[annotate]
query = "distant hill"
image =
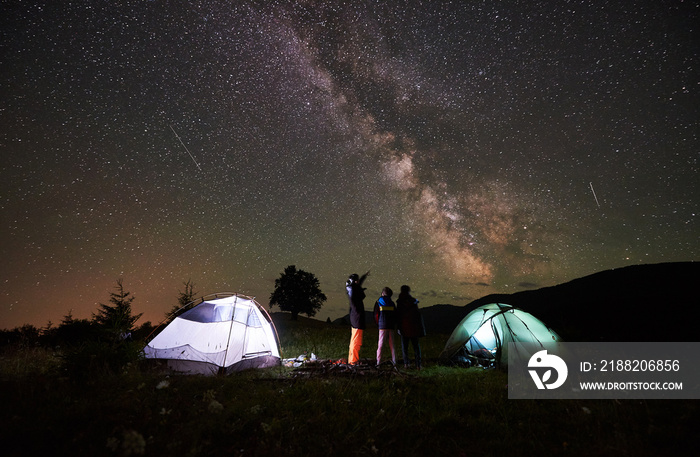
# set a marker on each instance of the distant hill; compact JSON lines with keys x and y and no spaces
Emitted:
{"x":658,"y":302}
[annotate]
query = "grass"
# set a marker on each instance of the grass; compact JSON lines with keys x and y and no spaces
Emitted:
{"x":437,"y":411}
{"x":332,"y":341}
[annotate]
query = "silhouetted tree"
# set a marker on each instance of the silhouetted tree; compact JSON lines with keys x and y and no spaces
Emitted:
{"x":73,"y":331}
{"x":184,"y":298}
{"x":297,"y":291}
{"x":117,"y":317}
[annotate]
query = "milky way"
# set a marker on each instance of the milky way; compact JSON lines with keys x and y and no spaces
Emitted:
{"x":463,"y":148}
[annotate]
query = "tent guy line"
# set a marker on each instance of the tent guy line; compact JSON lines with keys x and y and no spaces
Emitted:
{"x":183,"y":145}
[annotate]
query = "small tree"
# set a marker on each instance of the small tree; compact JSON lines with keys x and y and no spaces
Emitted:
{"x":297,"y":291}
{"x":184,"y":298}
{"x":117,"y":317}
{"x":73,"y":331}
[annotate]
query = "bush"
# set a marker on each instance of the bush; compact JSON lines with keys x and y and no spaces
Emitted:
{"x":24,"y":336}
{"x":88,"y":360}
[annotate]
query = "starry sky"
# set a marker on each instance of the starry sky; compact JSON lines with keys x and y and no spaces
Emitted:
{"x":461,"y":147}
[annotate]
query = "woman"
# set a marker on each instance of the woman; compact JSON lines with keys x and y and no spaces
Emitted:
{"x":356,"y":296}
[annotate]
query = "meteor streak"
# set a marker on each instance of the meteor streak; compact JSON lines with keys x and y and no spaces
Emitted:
{"x":188,"y":151}
{"x":594,"y":195}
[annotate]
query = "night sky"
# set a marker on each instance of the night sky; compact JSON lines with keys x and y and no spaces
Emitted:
{"x":463,"y":148}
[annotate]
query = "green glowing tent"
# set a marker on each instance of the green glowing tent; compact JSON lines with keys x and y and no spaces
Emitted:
{"x":482,"y":337}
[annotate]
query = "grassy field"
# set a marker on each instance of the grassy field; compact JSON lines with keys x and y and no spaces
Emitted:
{"x":437,"y":411}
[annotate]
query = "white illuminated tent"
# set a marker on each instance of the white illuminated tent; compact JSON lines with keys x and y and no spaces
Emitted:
{"x":227,"y":333}
{"x":483,"y":335}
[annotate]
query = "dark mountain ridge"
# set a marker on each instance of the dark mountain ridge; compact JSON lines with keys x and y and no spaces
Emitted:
{"x":657,"y":302}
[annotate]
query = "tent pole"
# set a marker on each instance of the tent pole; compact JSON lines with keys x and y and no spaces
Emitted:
{"x":272,"y":324}
{"x":230,"y":331}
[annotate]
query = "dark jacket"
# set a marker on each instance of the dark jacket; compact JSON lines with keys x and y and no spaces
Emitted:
{"x":356,"y":295}
{"x":385,"y":313}
{"x":410,"y":319}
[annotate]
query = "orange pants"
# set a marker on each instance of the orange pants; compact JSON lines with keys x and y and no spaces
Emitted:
{"x":355,"y":345}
